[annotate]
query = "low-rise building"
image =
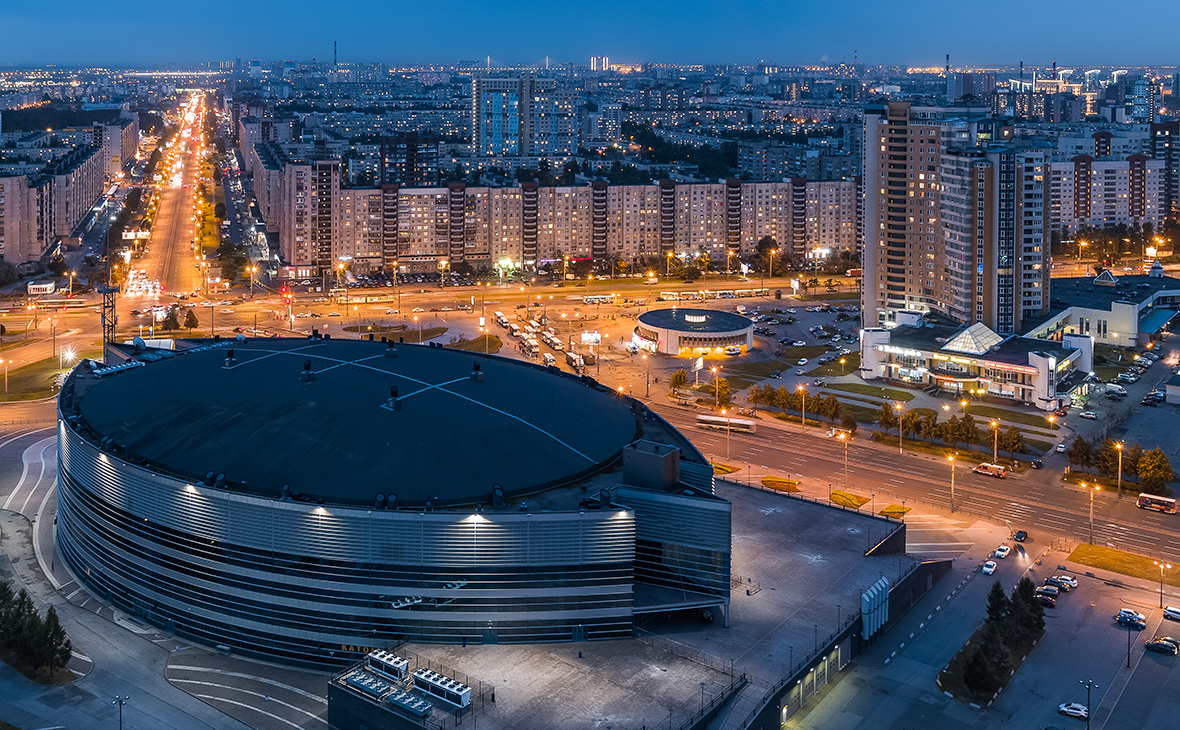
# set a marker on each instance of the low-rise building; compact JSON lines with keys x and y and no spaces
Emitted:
{"x":1122,"y":311}
{"x":959,"y":361}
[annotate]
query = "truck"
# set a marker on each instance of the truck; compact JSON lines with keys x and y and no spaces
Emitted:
{"x":41,"y":287}
{"x":574,"y":360}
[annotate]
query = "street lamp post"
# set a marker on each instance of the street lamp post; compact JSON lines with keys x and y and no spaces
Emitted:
{"x":1089,"y":684}
{"x":1119,"y":446}
{"x":844,"y":438}
{"x":419,"y":330}
{"x":647,"y":383}
{"x":995,"y":442}
{"x":900,"y":431}
{"x":716,"y":393}
{"x":728,"y":258}
{"x":668,"y":268}
{"x":803,"y":408}
{"x":1092,"y":489}
{"x":951,"y":459}
{"x":728,"y":421}
{"x":1162,"y":566}
{"x":120,"y":701}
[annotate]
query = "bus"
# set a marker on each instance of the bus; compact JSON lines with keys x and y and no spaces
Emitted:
{"x":669,"y":296}
{"x":514,"y":329}
{"x":599,"y":299}
{"x":721,"y":423}
{"x":1157,"y":503}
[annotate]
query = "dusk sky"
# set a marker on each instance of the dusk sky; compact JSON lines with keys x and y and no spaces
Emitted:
{"x":739,"y":31}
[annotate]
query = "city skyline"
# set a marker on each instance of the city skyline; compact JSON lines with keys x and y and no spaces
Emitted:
{"x":745,"y":32}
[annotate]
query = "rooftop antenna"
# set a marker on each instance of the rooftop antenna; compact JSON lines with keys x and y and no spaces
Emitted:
{"x":333,"y":55}
{"x":948,"y":65}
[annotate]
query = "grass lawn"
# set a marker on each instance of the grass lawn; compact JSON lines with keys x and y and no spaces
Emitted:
{"x":782,"y":485}
{"x":792,"y":354}
{"x":862,"y":414}
{"x":18,"y":341}
{"x":1107,"y":372}
{"x":426,"y":333}
{"x":844,"y":499}
{"x":1108,"y":484}
{"x":1004,"y":414}
{"x":896,"y":511}
{"x":483,"y":343}
{"x":888,"y":393}
{"x":830,"y":296}
{"x":35,"y":380}
{"x":754,"y":369}
{"x":1117,"y":561}
{"x":835,"y":369}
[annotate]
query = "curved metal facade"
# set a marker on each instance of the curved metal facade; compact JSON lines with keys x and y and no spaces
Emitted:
{"x":315,"y":585}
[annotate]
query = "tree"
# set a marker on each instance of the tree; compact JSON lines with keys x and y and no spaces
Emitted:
{"x":1155,"y":471}
{"x":1011,"y":440}
{"x":55,"y":647}
{"x":992,"y":645}
{"x":678,"y":380}
{"x":1080,"y":452}
{"x":1027,"y":617}
{"x":951,"y":430}
{"x":190,"y":320}
{"x":216,"y":174}
{"x":721,"y":387}
{"x":911,"y":423}
{"x":968,"y":430}
{"x":219,"y":210}
{"x":57,"y":266}
{"x":1107,"y":459}
{"x":1131,"y":459}
{"x":171,"y":321}
{"x":929,"y":428}
{"x":978,"y":675}
{"x":886,"y":418}
{"x":999,"y":607}
{"x":848,"y":421}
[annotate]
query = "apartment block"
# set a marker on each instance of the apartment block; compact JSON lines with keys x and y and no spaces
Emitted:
{"x":994,"y":233}
{"x":1100,"y":192}
{"x":531,"y":225}
{"x":904,"y":256}
{"x":522,"y":115}
{"x":18,"y":219}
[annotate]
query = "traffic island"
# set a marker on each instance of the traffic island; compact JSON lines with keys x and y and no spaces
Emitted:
{"x":851,"y":501}
{"x":988,"y":661}
{"x":780,"y":484}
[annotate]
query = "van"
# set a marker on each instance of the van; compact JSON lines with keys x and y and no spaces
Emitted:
{"x":1116,"y":389}
{"x":548,"y":359}
{"x":991,"y":470}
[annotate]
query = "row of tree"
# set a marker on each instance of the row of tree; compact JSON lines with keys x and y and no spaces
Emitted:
{"x":923,"y":423}
{"x":1152,"y":469}
{"x":823,"y":405}
{"x":1013,"y":623}
{"x":35,"y":642}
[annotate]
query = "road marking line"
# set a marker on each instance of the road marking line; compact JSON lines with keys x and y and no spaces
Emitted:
{"x":300,"y":710}
{"x":264,"y":680}
{"x":271,"y":715}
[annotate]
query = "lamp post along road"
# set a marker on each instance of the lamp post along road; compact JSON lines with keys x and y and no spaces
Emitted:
{"x":1089,"y":684}
{"x":951,"y":459}
{"x":803,"y":418}
{"x":1119,"y":446}
{"x":1162,"y":566}
{"x":900,"y":430}
{"x":995,"y":442}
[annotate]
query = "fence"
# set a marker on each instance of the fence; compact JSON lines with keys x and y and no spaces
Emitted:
{"x":686,"y":652}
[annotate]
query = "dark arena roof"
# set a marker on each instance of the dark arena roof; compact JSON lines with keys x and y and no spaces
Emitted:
{"x":695,"y":320}
{"x":450,"y":440}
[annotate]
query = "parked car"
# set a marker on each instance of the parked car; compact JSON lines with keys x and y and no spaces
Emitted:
{"x":1169,"y":639}
{"x":1068,"y":580}
{"x":1130,"y":612}
{"x":1172,"y":613}
{"x":1047,"y":601}
{"x":1036,"y":464}
{"x":1089,"y":415}
{"x":1050,"y":591}
{"x":1163,"y":647}
{"x":1073,"y":709}
{"x":989,"y":567}
{"x":1057,"y":583}
{"x":1130,"y":622}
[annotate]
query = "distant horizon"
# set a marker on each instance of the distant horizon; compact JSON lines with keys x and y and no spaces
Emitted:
{"x":71,"y":33}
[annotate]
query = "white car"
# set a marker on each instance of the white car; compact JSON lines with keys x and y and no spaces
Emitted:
{"x":1131,"y":613}
{"x":989,"y":567}
{"x":1060,"y":448}
{"x":1073,"y":709}
{"x":1069,"y":580}
{"x":802,"y":361}
{"x":1172,"y":612}
{"x":1002,"y":551}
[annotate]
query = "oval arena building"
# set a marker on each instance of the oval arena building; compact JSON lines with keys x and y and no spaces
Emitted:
{"x":305,"y":500}
{"x":691,"y":332}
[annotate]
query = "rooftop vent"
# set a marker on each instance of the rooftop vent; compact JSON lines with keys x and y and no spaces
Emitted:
{"x":307,"y":375}
{"x":476,"y":373}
